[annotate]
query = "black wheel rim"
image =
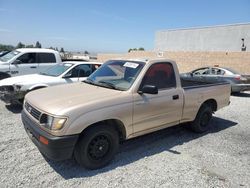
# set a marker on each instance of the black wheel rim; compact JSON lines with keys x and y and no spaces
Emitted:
{"x":205,"y":119}
{"x":99,"y":147}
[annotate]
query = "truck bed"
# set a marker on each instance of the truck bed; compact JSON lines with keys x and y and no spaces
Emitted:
{"x":189,"y":84}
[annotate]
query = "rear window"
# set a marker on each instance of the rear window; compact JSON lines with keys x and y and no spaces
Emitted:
{"x":46,"y":58}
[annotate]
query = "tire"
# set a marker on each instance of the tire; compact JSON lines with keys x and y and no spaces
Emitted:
{"x":203,"y":117}
{"x":97,"y":147}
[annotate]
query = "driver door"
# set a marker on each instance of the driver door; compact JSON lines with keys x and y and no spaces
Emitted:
{"x":78,"y":73}
{"x":27,"y":64}
{"x":155,"y":110}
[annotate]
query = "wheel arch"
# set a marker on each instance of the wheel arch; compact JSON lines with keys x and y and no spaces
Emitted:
{"x":37,"y":87}
{"x":115,"y":123}
{"x":212,"y":103}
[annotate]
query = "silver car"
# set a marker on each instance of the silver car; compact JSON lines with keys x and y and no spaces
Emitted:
{"x":238,"y":81}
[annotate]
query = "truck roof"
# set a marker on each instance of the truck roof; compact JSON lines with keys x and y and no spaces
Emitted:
{"x":83,"y":62}
{"x":36,"y":50}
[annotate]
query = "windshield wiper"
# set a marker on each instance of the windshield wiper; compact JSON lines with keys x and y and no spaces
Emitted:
{"x":88,"y":81}
{"x":109,"y":85}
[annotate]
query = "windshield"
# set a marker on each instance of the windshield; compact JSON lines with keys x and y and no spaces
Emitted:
{"x":116,"y":74}
{"x":57,"y":69}
{"x":9,"y":56}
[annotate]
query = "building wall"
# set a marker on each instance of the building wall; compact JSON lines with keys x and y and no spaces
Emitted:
{"x":188,"y":61}
{"x":227,"y":38}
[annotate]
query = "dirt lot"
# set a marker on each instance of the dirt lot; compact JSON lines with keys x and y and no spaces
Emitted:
{"x":174,"y":157}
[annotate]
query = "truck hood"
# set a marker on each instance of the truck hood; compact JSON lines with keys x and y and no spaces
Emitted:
{"x":58,"y":100}
{"x":26,"y":80}
{"x":4,"y":63}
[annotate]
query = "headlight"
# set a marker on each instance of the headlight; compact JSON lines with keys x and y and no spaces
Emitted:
{"x":52,"y":123}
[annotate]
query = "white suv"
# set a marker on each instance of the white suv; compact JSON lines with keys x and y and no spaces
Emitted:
{"x":27,"y":61}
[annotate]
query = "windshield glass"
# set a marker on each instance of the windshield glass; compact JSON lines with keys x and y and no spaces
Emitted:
{"x":9,"y":56}
{"x":116,"y":74}
{"x":57,"y":69}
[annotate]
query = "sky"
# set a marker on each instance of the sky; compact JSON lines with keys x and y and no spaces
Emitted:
{"x":110,"y":26}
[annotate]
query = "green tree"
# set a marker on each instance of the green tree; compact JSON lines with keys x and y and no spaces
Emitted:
{"x":20,"y":45}
{"x":38,"y":44}
{"x":86,"y":52}
{"x":62,"y":50}
{"x":4,"y":47}
{"x":141,"y":49}
{"x":130,"y":49}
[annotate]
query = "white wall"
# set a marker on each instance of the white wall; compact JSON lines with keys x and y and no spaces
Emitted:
{"x":217,"y":38}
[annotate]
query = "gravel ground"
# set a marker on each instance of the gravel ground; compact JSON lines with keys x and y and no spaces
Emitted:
{"x":174,"y":157}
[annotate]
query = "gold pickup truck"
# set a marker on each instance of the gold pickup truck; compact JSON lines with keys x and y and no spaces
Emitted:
{"x":123,"y":99}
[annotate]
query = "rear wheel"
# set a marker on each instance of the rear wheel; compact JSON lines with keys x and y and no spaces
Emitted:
{"x":203,"y":117}
{"x":97,"y":146}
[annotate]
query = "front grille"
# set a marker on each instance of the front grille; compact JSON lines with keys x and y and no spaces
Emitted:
{"x":6,"y":89}
{"x":34,"y":112}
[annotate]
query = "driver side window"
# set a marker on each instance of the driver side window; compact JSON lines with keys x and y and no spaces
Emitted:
{"x":161,"y":75}
{"x":80,"y":71}
{"x":27,"y":58}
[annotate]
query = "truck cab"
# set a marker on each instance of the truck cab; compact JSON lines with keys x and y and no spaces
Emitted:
{"x":27,"y":61}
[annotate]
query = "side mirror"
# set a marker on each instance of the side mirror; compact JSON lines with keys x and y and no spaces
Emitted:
{"x":149,"y":89}
{"x":16,"y":62}
{"x":68,"y":75}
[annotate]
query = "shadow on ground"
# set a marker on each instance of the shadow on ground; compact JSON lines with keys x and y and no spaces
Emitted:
{"x":14,"y":108}
{"x":138,"y":148}
{"x":241,"y":94}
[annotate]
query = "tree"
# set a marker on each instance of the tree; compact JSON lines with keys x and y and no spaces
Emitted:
{"x":20,"y":45}
{"x":141,"y":49}
{"x":56,"y":49}
{"x":130,"y":49}
{"x":38,"y":44}
{"x":86,"y":52}
{"x":62,"y":50}
{"x":4,"y":47}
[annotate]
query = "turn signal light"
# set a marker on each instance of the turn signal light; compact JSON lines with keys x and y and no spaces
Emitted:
{"x":44,"y":140}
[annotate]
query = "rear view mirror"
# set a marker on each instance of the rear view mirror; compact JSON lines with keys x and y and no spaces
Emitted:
{"x":17,"y":62}
{"x":68,"y":75}
{"x":149,"y":89}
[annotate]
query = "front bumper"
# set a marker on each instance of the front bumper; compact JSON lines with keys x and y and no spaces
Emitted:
{"x":58,"y":148}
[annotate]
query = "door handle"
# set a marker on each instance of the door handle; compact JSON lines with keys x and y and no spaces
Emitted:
{"x":175,"y":97}
{"x":33,"y":67}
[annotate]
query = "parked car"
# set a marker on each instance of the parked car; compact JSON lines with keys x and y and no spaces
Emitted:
{"x":27,"y":61}
{"x":2,"y":53}
{"x":123,"y":99}
{"x":13,"y":90}
{"x":238,"y":81}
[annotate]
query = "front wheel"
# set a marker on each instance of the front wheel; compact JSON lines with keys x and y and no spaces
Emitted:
{"x":203,"y":117}
{"x":97,"y":146}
